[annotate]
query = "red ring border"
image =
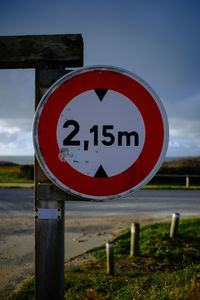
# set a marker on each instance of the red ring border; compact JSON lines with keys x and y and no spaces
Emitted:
{"x":49,"y":112}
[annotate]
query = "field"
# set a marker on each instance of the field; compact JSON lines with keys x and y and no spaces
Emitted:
{"x":15,"y":174}
{"x":11,"y":173}
{"x":190,"y":166}
{"x":166,"y":268}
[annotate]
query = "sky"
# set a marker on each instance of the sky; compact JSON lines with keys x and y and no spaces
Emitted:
{"x":157,"y":40}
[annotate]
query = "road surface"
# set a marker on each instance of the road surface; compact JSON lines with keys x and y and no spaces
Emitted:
{"x":186,"y":202}
{"x":87,"y":225}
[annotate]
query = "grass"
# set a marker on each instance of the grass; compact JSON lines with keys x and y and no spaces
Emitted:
{"x":16,"y":175}
{"x":170,"y":187}
{"x":13,"y":174}
{"x":165,"y":269}
{"x":18,"y":186}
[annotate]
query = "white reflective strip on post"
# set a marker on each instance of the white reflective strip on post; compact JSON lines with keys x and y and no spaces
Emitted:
{"x":176,"y":215}
{"x":48,"y":213}
{"x":109,"y":245}
{"x":133,"y":228}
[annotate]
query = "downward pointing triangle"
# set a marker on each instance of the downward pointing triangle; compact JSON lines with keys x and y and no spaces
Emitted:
{"x":101,"y":93}
{"x":100,"y":173}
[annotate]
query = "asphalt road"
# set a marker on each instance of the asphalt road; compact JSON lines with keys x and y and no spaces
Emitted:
{"x":159,"y":202}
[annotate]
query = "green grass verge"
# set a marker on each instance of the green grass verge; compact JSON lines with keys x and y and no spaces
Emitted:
{"x":21,"y":174}
{"x":18,"y":186}
{"x":170,"y":187}
{"x":13,"y":174}
{"x":166,"y":268}
{"x":21,"y":184}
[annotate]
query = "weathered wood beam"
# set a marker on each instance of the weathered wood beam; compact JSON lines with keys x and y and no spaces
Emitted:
{"x":36,"y":50}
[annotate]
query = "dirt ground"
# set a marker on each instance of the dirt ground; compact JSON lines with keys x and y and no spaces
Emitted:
{"x":81,"y":234}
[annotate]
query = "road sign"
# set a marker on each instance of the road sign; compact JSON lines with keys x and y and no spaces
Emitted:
{"x":100,"y":132}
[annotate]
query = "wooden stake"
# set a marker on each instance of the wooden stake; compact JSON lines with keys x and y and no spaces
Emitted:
{"x":110,"y":258}
{"x":174,"y":225}
{"x":187,"y":182}
{"x":135,"y":233}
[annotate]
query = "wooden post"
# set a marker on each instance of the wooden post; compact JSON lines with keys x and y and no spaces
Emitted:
{"x":49,"y":55}
{"x":31,"y":51}
{"x":174,"y":225}
{"x":187,"y":179}
{"x":110,"y":258}
{"x":135,"y":233}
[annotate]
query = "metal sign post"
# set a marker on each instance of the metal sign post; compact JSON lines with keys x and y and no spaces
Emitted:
{"x":49,"y":220}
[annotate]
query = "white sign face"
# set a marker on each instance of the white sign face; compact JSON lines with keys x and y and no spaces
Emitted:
{"x":100,"y":133}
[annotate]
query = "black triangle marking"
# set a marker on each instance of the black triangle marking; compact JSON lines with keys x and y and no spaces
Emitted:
{"x":100,"y":173}
{"x":101,"y":93}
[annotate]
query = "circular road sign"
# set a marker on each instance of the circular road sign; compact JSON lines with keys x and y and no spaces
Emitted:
{"x":100,"y":132}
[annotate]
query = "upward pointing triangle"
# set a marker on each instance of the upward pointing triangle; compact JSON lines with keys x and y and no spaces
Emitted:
{"x":100,"y":173}
{"x":101,"y":93}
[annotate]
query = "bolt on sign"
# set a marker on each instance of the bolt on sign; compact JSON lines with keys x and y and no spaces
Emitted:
{"x":100,"y":132}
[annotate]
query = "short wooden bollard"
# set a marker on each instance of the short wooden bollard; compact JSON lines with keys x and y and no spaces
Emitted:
{"x":110,"y":258}
{"x":174,"y":225}
{"x":135,"y":233}
{"x":187,"y":183}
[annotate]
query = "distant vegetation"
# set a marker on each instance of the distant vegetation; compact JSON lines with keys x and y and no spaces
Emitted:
{"x":180,"y":168}
{"x":13,"y":173}
{"x":189,"y":166}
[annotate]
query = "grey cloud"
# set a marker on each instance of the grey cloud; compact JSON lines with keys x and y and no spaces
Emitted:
{"x":184,"y":128}
{"x":13,"y":140}
{"x":16,"y":94}
{"x":184,"y":121}
{"x":23,"y":124}
{"x":6,"y":137}
{"x":185,"y":108}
